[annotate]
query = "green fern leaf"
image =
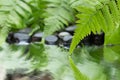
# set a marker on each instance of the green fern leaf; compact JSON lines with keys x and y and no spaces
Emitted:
{"x":78,"y":75}
{"x":14,"y":15}
{"x":95,"y":16}
{"x":59,"y":13}
{"x":24,"y":6}
{"x":38,"y":55}
{"x":113,"y":36}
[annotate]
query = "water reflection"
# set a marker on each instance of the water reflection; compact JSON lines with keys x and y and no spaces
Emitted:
{"x":90,"y":60}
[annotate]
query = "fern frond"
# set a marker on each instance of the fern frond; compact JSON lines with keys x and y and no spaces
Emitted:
{"x":13,"y":14}
{"x":59,"y":13}
{"x":95,"y":16}
{"x":37,"y":18}
{"x":78,"y":75}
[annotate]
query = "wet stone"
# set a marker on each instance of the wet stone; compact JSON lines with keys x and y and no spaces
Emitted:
{"x":21,"y":36}
{"x":40,"y":34}
{"x":67,"y":38}
{"x":67,"y":41}
{"x":51,"y":40}
{"x":86,"y":41}
{"x":37,"y":37}
{"x":98,"y":39}
{"x":11,"y":39}
{"x":71,"y":29}
{"x":62,"y":34}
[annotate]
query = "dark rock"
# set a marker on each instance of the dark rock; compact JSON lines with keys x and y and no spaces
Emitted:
{"x":11,"y":39}
{"x":93,"y":39}
{"x":51,"y":40}
{"x":37,"y":37}
{"x":9,"y":77}
{"x":86,"y":41}
{"x":98,"y":39}
{"x":17,"y":74}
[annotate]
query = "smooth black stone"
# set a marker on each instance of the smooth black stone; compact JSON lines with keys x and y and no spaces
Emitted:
{"x":86,"y":41}
{"x":35,"y":39}
{"x":9,"y":77}
{"x":11,"y":39}
{"x":65,"y":44}
{"x":26,"y":30}
{"x":98,"y":39}
{"x":51,"y":40}
{"x":61,"y":35}
{"x":21,"y":36}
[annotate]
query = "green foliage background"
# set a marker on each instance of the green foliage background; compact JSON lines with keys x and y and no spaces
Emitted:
{"x":52,"y":15}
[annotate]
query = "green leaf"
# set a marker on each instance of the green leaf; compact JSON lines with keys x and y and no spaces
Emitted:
{"x":110,"y":55}
{"x":21,"y":12}
{"x":38,"y":55}
{"x":78,"y":75}
{"x":96,"y":16}
{"x":113,"y":36}
{"x":24,"y":6}
{"x":58,"y":15}
{"x":11,"y":58}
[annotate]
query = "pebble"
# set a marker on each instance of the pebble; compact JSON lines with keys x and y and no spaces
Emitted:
{"x":86,"y":41}
{"x":67,"y":38}
{"x":62,"y":34}
{"x":11,"y":39}
{"x":21,"y":36}
{"x":71,"y":29}
{"x":51,"y":40}
{"x":67,"y":41}
{"x":98,"y":39}
{"x":37,"y":37}
{"x":39,"y":34}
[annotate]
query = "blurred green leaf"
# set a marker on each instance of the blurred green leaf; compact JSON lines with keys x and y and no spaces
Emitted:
{"x":110,"y":55}
{"x":88,"y":65}
{"x":113,"y":36}
{"x":11,"y":58}
{"x":78,"y":75}
{"x":38,"y":55}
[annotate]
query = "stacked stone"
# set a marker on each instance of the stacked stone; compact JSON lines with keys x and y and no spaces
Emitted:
{"x":61,"y":38}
